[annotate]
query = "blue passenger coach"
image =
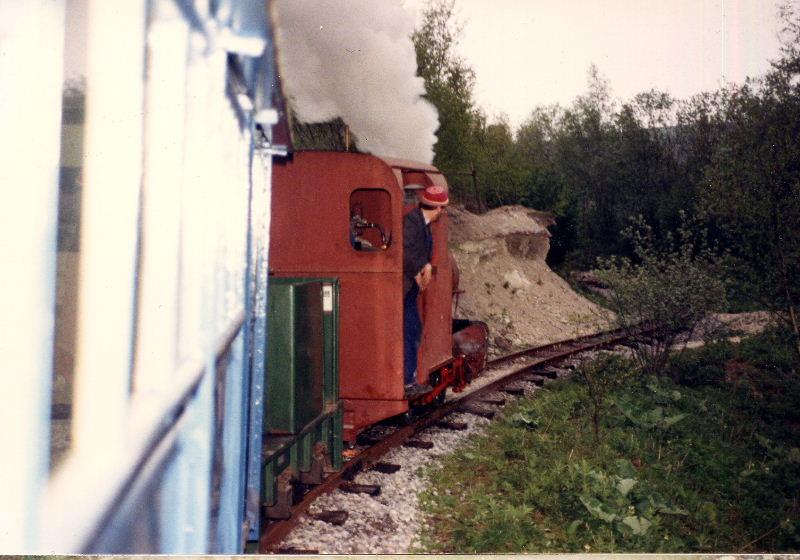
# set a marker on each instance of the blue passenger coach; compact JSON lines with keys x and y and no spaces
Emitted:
{"x":134,"y":261}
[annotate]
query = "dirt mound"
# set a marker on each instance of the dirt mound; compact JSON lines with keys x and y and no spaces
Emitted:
{"x":506,"y":282}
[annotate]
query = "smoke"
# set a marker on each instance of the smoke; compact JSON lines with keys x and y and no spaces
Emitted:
{"x":354,"y":59}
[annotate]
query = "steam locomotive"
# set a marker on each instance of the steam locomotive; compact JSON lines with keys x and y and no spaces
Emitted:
{"x":335,"y":357}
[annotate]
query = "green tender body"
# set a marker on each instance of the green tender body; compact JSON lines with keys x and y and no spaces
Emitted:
{"x":302,"y":405}
{"x":295,"y":356}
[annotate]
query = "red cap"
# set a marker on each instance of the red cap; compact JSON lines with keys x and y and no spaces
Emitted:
{"x":434,"y":195}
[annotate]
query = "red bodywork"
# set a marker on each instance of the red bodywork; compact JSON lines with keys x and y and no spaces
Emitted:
{"x":314,"y":196}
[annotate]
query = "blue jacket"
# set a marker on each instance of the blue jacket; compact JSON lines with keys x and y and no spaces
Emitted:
{"x":417,"y":247}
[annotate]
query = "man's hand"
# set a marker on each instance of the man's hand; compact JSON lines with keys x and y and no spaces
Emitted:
{"x":423,"y":278}
{"x":427,"y":274}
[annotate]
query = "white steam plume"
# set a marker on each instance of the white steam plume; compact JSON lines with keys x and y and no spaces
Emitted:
{"x":354,"y":59}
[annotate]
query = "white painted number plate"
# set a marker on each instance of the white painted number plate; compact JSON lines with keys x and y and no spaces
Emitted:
{"x":327,"y":299}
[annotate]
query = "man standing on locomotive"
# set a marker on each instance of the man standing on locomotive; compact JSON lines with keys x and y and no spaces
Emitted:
{"x":417,"y":274}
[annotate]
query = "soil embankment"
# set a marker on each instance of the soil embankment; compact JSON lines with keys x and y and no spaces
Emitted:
{"x":507,"y":283}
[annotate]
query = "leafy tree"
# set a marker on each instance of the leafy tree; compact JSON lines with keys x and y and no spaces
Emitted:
{"x":752,"y":187}
{"x":670,"y":287}
{"x":503,"y":175}
{"x":544,"y":184}
{"x":584,"y":158}
{"x":597,"y":163}
{"x":643,"y":169}
{"x":535,"y":147}
{"x":695,"y":138}
{"x":449,"y":84}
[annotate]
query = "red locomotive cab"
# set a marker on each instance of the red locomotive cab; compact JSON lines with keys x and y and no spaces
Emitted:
{"x":338,"y":214}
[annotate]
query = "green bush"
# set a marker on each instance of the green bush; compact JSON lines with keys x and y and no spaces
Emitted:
{"x":697,"y":368}
{"x":771,"y":351}
{"x":759,"y":372}
{"x":670,"y":287}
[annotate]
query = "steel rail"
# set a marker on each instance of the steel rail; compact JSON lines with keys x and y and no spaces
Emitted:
{"x":276,"y":531}
{"x":539,"y":349}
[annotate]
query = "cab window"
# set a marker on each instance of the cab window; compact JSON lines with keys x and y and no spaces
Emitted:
{"x":370,"y":220}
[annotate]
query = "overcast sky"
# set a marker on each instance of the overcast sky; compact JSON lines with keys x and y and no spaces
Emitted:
{"x":537,"y":52}
{"x":527,"y":53}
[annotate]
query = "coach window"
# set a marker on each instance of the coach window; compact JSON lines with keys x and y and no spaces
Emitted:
{"x":370,"y":220}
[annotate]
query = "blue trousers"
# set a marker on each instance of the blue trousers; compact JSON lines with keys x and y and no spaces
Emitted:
{"x":412,"y":334}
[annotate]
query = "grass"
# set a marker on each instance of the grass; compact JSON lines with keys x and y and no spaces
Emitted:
{"x":704,"y":459}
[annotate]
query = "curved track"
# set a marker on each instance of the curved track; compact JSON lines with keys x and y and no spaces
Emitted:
{"x":524,"y":367}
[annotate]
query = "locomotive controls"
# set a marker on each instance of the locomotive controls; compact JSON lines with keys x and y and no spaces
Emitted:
{"x":357,"y":226}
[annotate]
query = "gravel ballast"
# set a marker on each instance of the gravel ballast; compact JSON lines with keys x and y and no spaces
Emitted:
{"x":390,"y":522}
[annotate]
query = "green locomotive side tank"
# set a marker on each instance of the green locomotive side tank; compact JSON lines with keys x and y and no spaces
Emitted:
{"x":295,"y":356}
{"x":302,"y":410}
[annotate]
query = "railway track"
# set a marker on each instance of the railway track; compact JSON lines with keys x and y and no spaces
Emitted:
{"x":505,"y":373}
